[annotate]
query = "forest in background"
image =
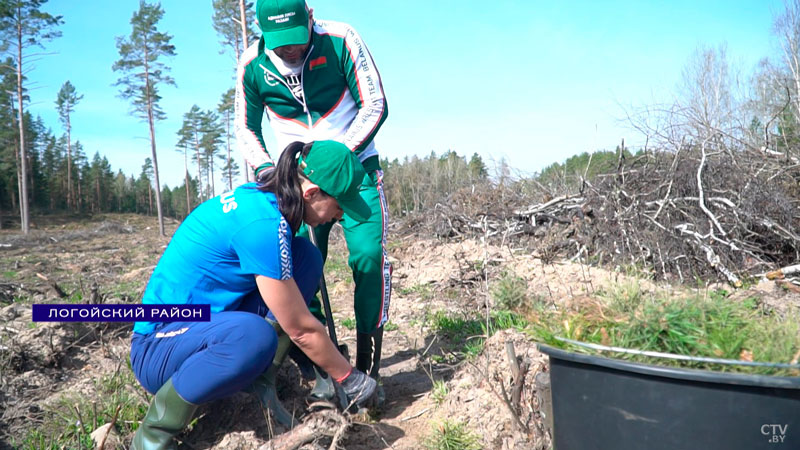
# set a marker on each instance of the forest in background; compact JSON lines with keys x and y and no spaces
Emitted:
{"x":714,"y":106}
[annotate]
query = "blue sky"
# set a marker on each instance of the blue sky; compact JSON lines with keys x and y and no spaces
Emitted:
{"x":533,"y":82}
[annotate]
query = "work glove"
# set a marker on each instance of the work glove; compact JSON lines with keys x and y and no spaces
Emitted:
{"x":359,"y":389}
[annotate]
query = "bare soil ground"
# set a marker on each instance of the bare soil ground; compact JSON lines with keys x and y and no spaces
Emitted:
{"x":108,"y":259}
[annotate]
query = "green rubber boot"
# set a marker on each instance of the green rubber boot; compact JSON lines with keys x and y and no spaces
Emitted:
{"x":264,"y":386}
{"x":167,"y":415}
{"x":363,"y":351}
{"x":368,"y":358}
{"x":324,"y":388}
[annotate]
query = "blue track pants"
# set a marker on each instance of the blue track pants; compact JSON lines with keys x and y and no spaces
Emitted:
{"x":212,"y":360}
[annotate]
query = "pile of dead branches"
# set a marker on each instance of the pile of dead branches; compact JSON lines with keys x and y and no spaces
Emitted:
{"x":704,"y":211}
{"x":701,"y":212}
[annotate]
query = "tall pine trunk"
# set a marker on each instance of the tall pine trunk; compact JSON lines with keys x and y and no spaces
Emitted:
{"x":23,"y":186}
{"x":228,"y":140}
{"x":211,"y":175}
{"x":70,"y":194}
{"x":245,"y":44}
{"x":186,"y":180}
{"x":199,"y":173}
{"x":151,"y":123}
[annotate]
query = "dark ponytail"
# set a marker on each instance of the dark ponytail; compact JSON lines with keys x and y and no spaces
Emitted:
{"x":284,"y":181}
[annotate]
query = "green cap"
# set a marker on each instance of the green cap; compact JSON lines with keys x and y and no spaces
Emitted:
{"x":337,"y":171}
{"x":283,"y":22}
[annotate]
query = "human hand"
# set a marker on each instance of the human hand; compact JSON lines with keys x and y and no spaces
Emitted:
{"x":359,"y":389}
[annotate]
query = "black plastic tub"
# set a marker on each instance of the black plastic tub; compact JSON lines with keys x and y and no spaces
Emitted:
{"x":602,"y":403}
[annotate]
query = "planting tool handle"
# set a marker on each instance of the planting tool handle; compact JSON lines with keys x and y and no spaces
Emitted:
{"x":323,"y":290}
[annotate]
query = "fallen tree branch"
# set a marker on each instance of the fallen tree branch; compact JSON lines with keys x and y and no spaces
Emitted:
{"x":782,"y":272}
{"x":701,"y":193}
{"x":711,"y":256}
{"x":56,"y":288}
{"x":502,"y":397}
{"x":538,"y":208}
{"x":326,"y":423}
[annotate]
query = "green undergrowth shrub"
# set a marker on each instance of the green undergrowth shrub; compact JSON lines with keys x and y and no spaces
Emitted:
{"x":709,"y":325}
{"x":510,"y":291}
{"x":451,"y":435}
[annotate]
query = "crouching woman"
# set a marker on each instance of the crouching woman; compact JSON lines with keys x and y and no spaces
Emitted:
{"x":238,"y":253}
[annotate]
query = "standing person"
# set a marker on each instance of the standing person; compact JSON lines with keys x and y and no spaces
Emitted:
{"x":238,"y":253}
{"x":317,"y":80}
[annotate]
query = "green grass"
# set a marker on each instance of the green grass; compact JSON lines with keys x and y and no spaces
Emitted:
{"x":467,"y":334}
{"x":712,"y":326}
{"x":439,"y":391}
{"x":424,"y":291}
{"x":450,"y":435}
{"x":9,"y":274}
{"x":128,"y":290}
{"x":75,"y":297}
{"x":349,"y":323}
{"x":69,"y":422}
{"x":336,"y":265}
{"x":36,"y":440}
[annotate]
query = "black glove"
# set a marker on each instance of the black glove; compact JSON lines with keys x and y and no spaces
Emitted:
{"x":360,"y":389}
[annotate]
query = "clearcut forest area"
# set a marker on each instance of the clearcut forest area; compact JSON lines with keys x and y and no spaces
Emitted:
{"x":489,"y":268}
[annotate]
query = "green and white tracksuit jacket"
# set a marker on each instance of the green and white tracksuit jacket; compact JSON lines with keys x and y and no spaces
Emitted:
{"x":335,"y":95}
{"x":340,"y":96}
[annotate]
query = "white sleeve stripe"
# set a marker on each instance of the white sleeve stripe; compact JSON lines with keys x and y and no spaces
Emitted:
{"x":249,"y":145}
{"x":373,"y":107}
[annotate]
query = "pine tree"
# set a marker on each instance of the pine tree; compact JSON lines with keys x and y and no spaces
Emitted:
{"x":24,"y":25}
{"x":8,"y":135}
{"x":191,"y":134}
{"x":100,"y":179}
{"x":59,"y":180}
{"x":234,"y":21}
{"x":65,"y":103}
{"x":144,"y":186}
{"x":184,"y":143}
{"x":51,"y":163}
{"x":225,"y":108}
{"x":140,"y":56}
{"x":80,"y":167}
{"x":477,"y":168}
{"x":84,"y":183}
{"x":209,"y":144}
{"x":229,"y":170}
{"x":227,"y":22}
{"x":37,"y":138}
